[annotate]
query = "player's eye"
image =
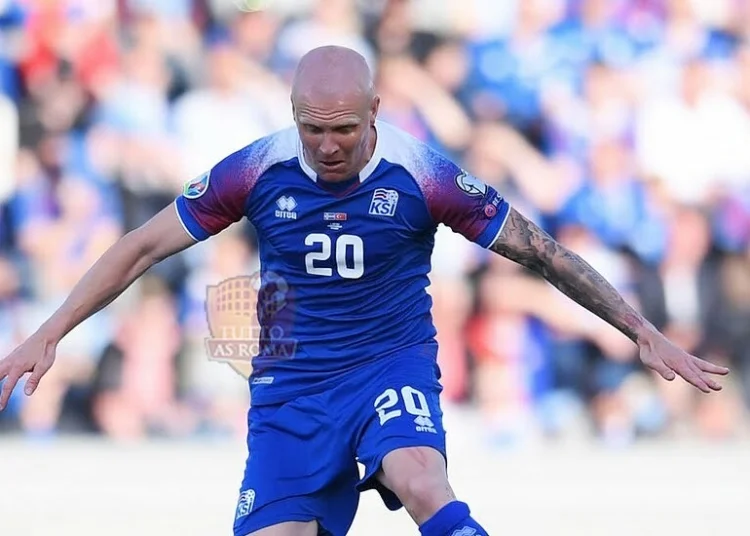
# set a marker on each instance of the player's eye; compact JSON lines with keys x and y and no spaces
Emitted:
{"x":312,"y":129}
{"x":348,"y":129}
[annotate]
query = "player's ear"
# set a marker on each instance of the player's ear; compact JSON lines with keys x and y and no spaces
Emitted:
{"x":374,"y":107}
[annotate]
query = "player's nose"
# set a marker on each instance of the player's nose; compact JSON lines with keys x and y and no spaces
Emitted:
{"x":328,"y":146}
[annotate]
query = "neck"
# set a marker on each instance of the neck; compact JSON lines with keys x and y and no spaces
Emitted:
{"x":370,"y":151}
{"x":371,"y":143}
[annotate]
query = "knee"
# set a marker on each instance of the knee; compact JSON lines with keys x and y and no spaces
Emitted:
{"x":423,"y":494}
{"x":420,"y":482}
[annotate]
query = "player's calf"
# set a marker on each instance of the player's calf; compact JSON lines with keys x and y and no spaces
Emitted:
{"x":417,"y":475}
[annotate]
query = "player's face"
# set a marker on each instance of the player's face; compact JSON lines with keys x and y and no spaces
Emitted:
{"x":338,"y":135}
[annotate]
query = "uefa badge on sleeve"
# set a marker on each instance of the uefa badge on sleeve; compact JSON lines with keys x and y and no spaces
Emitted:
{"x":470,"y":185}
{"x":197,"y":187}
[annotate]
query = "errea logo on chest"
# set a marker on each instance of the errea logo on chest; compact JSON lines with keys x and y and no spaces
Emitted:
{"x":286,"y":205}
{"x":383,"y":202}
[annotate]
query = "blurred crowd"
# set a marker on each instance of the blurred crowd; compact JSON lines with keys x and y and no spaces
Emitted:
{"x":623,"y":127}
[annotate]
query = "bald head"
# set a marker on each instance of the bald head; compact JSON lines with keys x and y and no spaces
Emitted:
{"x":335,"y":107}
{"x":332,"y":71}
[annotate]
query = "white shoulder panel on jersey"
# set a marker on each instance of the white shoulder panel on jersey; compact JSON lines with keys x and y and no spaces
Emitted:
{"x":401,"y":148}
{"x":272,"y":149}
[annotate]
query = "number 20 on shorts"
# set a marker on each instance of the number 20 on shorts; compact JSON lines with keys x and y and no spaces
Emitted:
{"x":415,"y":404}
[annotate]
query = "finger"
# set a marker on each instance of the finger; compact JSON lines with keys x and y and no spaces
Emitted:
{"x":663,"y":369}
{"x":8,"y":385}
{"x":694,"y":378}
{"x":33,"y":382}
{"x":706,"y":366}
{"x":36,"y":376}
{"x":713,"y":384}
{"x":709,"y":381}
{"x":4,"y":369}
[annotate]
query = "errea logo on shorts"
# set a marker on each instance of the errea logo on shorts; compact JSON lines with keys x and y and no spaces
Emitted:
{"x":245,"y":504}
{"x":465,"y":531}
{"x":425,"y":424}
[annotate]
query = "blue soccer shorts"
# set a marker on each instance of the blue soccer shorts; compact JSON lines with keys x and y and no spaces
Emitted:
{"x":303,"y":454}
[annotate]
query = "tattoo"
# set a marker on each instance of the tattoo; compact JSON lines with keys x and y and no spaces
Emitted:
{"x":525,"y":243}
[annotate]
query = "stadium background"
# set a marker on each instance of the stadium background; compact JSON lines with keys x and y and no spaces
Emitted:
{"x":622,"y":126}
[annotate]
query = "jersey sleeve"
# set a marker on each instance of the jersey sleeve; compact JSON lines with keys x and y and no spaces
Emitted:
{"x":214,"y":200}
{"x":462,"y":202}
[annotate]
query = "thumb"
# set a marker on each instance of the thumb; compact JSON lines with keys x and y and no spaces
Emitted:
{"x":664,"y":371}
{"x":33,"y":382}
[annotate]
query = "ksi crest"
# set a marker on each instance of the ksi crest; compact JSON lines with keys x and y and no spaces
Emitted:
{"x":197,"y":187}
{"x":245,"y":504}
{"x":384,"y":202}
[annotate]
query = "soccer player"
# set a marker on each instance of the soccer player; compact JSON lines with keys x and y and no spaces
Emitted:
{"x":345,"y":207}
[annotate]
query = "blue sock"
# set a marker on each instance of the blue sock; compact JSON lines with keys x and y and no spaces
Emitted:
{"x":453,"y":519}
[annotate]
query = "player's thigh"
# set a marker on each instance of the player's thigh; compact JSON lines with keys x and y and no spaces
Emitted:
{"x":292,"y":528}
{"x":407,"y":466}
{"x":403,"y":413}
{"x":296,"y":469}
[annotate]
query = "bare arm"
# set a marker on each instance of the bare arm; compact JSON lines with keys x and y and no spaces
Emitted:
{"x":524,"y":242}
{"x":124,"y":262}
{"x":115,"y":271}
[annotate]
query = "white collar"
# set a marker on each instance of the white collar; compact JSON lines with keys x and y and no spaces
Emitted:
{"x":366,"y":171}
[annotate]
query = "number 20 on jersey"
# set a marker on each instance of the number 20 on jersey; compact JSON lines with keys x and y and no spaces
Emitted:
{"x":348,"y":251}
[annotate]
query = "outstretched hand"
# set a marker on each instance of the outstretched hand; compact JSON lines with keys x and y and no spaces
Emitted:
{"x":34,"y":355}
{"x":661,"y":355}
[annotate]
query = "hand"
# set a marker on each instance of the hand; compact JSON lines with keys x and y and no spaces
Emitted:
{"x":35,"y":355}
{"x":661,"y":355}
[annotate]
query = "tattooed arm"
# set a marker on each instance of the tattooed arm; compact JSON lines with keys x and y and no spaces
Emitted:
{"x":522,"y":241}
{"x":525,"y":243}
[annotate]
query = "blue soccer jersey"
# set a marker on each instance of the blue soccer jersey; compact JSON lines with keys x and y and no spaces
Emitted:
{"x":343,"y":274}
